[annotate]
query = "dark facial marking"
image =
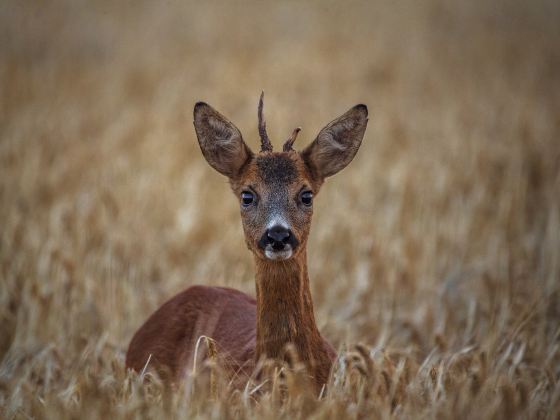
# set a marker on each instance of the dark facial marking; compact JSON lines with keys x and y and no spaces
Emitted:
{"x":276,"y":168}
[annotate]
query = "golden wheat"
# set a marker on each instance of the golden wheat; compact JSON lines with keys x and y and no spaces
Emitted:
{"x":434,"y":258}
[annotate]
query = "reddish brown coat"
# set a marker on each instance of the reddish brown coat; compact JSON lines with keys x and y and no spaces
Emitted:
{"x":246,"y":330}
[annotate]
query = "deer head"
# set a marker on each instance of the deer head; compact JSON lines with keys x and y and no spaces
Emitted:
{"x":276,"y":189}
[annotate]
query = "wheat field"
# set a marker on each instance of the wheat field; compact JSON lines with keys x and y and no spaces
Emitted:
{"x":434,"y":257}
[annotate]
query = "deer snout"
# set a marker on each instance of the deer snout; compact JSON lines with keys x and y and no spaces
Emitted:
{"x":278,"y":238}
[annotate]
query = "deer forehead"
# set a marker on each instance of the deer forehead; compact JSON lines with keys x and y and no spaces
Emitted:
{"x":277,"y":170}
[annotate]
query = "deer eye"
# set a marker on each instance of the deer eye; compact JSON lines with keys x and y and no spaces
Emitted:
{"x":306,"y":198}
{"x":247,"y":198}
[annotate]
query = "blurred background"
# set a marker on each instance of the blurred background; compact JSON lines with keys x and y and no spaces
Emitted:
{"x":443,"y":233}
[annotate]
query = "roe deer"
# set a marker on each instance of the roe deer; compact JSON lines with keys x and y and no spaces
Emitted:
{"x":276,"y":191}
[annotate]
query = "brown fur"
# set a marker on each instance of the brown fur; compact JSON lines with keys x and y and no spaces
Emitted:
{"x":226,"y":315}
{"x":248,"y":330}
{"x":285,"y":315}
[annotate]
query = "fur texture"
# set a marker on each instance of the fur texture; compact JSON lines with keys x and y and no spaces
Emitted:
{"x":248,"y":330}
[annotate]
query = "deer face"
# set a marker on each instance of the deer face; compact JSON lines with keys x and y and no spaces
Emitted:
{"x":276,"y":200}
{"x":276,"y":189}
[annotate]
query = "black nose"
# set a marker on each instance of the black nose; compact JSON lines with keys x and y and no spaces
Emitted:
{"x":278,"y":237}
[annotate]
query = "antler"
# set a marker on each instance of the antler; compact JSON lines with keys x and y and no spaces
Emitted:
{"x":290,"y":142}
{"x":266,"y":145}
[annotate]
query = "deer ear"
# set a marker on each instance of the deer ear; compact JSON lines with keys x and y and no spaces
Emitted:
{"x":337,"y":143}
{"x":220,"y":141}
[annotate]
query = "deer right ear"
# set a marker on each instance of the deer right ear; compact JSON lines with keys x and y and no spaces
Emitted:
{"x":337,"y":143}
{"x":220,"y":141}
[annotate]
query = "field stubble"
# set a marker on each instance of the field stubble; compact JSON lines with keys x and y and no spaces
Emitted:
{"x":434,"y":257}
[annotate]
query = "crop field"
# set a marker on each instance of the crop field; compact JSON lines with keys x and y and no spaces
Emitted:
{"x":434,"y":258}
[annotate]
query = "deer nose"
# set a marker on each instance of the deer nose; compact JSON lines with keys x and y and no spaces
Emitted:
{"x":278,"y":237}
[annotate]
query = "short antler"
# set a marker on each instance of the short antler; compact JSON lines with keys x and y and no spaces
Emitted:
{"x":290,"y":142}
{"x":266,"y":145}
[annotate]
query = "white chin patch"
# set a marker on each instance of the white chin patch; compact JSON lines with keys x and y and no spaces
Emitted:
{"x":271,"y":254}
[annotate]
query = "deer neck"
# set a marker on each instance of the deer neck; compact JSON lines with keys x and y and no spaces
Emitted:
{"x":285,"y":313}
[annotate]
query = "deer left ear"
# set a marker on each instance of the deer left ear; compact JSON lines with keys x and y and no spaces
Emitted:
{"x":337,"y":143}
{"x":220,"y":141}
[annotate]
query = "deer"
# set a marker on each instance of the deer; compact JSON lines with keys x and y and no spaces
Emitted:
{"x":275,"y":192}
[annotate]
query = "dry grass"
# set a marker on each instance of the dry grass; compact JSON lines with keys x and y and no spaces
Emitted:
{"x":438,"y":248}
